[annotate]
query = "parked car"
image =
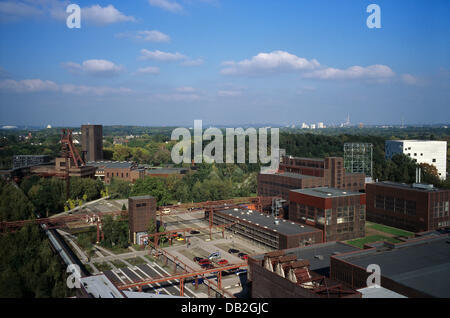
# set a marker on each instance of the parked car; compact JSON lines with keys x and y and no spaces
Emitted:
{"x":214,"y":255}
{"x":241,"y":271}
{"x":179,"y":238}
{"x":208,"y":266}
{"x":195,"y":232}
{"x":245,"y":257}
{"x":197,"y":259}
{"x":241,"y":254}
{"x":222,"y":262}
{"x":204,"y":261}
{"x":233,"y":251}
{"x":166,"y":211}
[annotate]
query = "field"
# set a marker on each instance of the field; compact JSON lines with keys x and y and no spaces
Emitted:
{"x":378,"y":232}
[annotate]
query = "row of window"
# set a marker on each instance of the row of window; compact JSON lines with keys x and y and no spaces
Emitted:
{"x":396,"y":205}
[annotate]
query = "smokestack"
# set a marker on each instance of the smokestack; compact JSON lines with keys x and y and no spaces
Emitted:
{"x":420,"y":172}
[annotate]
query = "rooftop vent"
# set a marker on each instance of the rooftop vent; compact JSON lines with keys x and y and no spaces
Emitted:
{"x":277,"y":222}
{"x":329,"y":194}
{"x":236,"y":209}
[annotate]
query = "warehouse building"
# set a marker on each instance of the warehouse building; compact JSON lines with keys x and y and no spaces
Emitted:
{"x":123,"y":170}
{"x":301,"y":173}
{"x":24,"y":161}
{"x":298,"y":273}
{"x":266,"y":229}
{"x":415,"y":208}
{"x":339,"y":214}
{"x":415,"y":268}
{"x":141,"y":213}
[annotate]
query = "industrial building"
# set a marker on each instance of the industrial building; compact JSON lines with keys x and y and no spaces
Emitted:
{"x":301,"y":173}
{"x":432,"y":152}
{"x":123,"y":170}
{"x":415,"y":208}
{"x":339,"y":214}
{"x":24,"y":161}
{"x":141,"y":213}
{"x":415,"y":268}
{"x":298,"y":273}
{"x":266,"y":229}
{"x":166,"y":172}
{"x":92,"y":142}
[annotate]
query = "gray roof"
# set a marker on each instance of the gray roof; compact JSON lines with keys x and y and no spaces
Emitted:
{"x":294,"y":175}
{"x":379,"y":292}
{"x":111,"y":164}
{"x":406,"y":186}
{"x":166,"y":171}
{"x":267,"y":221}
{"x":141,"y":197}
{"x":422,"y":264}
{"x":325,"y":192}
{"x":318,"y":255}
{"x":100,"y":286}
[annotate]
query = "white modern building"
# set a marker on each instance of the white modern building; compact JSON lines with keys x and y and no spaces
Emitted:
{"x":422,"y":151}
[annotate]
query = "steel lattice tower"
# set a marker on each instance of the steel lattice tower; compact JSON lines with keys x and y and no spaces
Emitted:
{"x":358,"y":158}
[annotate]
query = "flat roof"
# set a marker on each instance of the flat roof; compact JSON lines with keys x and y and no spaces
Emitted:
{"x":379,"y":292}
{"x":166,"y":170}
{"x":304,"y":158}
{"x":416,"y":140}
{"x":292,"y":175}
{"x":422,"y":264}
{"x":111,"y":164}
{"x":141,"y":197}
{"x":99,"y":286}
{"x":326,"y":192}
{"x":407,"y":186}
{"x":318,"y":255}
{"x":267,"y":221}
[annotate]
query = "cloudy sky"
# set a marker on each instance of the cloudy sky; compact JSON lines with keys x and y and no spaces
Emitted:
{"x":230,"y":62}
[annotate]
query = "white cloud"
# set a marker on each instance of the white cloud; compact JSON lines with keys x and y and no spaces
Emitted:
{"x":104,"y":15}
{"x":161,"y":56}
{"x":101,"y":68}
{"x":28,"y":85}
{"x":13,"y":11}
{"x":354,"y":72}
{"x":281,"y":61}
{"x":276,"y":61}
{"x":167,"y":5}
{"x":195,"y":62}
{"x":145,"y":35}
{"x":228,"y":93}
{"x":185,"y":89}
{"x":38,"y":85}
{"x":179,"y":97}
{"x":148,"y":70}
{"x":410,"y":79}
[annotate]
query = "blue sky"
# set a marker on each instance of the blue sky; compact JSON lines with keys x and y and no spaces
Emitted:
{"x":168,"y":62}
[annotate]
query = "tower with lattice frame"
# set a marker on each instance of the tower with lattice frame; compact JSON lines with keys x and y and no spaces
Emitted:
{"x":358,"y":158}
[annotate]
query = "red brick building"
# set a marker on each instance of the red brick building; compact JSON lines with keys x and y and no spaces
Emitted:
{"x":301,"y":173}
{"x":141,"y":213}
{"x":414,"y":208}
{"x":339,"y":214}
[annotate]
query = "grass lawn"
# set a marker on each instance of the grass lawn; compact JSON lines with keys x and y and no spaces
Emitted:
{"x":149,"y":257}
{"x":388,"y":229}
{"x":370,"y":239}
{"x":102,"y":266}
{"x":117,"y":250}
{"x":136,"y":261}
{"x":119,"y":264}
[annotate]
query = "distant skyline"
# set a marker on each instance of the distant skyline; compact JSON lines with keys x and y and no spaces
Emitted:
{"x":226,"y":62}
